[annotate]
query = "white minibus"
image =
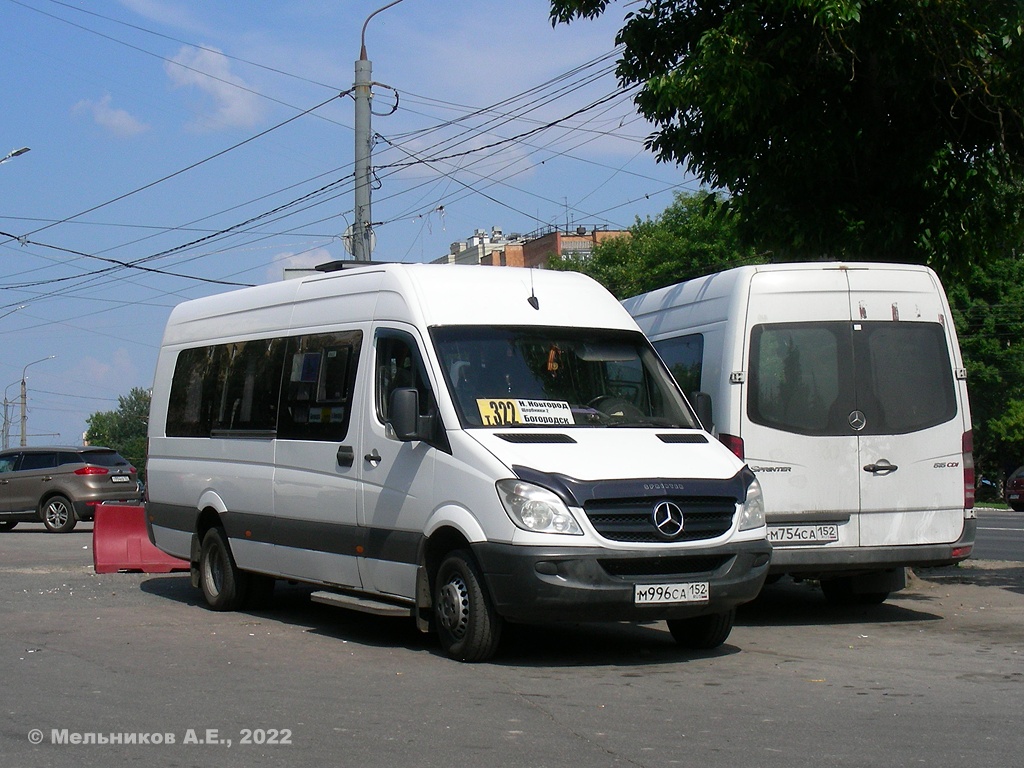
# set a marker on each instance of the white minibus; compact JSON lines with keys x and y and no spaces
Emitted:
{"x":842,"y":387}
{"x":463,"y":445}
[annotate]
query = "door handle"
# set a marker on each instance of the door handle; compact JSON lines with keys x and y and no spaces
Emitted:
{"x":881,"y":467}
{"x":346,"y":456}
{"x":373,"y":458}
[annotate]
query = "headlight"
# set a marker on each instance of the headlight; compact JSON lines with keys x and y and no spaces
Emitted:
{"x":752,"y":510}
{"x":534,"y":508}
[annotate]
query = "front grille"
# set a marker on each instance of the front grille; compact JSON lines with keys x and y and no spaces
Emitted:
{"x":630,"y":568}
{"x":629,"y":520}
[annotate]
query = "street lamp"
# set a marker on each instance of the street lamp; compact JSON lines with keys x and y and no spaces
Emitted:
{"x":24,"y":397}
{"x":11,"y":312}
{"x":14,"y":153}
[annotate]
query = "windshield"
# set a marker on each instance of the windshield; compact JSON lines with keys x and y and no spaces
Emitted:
{"x":530,"y":376}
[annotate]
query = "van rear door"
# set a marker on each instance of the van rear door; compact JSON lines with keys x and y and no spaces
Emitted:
{"x":911,"y":418}
{"x":794,"y":429}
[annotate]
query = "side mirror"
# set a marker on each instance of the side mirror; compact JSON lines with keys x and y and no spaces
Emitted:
{"x":404,"y":415}
{"x":701,"y":402}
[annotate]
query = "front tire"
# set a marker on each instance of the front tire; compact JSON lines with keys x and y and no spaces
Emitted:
{"x":223,"y":585}
{"x":703,"y":633}
{"x":58,"y":515}
{"x":467,"y":625}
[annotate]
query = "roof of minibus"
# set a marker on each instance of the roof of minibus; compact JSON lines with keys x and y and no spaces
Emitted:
{"x":427,"y":294}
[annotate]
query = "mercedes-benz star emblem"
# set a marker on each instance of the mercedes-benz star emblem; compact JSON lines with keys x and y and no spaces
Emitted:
{"x":858,"y":420}
{"x":668,"y":519}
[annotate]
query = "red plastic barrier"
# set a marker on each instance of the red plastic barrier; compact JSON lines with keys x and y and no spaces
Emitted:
{"x":120,"y":542}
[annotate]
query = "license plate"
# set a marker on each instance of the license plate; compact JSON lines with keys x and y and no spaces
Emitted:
{"x":655,"y":594}
{"x":800,"y":534}
{"x":1014,"y":496}
{"x":120,"y":479}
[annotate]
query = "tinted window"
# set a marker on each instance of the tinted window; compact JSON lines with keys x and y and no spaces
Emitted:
{"x":684,"y":356}
{"x":38,"y":461}
{"x":809,"y":378}
{"x":195,"y":391}
{"x":251,"y":385}
{"x":320,"y":374}
{"x":299,"y":386}
{"x":8,"y":462}
{"x":100,"y":458}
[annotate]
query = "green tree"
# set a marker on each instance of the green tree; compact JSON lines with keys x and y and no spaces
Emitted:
{"x":694,"y":236}
{"x":859,"y":129}
{"x":988,"y":305}
{"x":125,"y":430}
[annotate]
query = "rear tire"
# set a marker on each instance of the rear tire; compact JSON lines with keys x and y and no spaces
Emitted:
{"x":703,"y":632}
{"x":224,"y":586}
{"x":58,"y":515}
{"x":467,"y":625}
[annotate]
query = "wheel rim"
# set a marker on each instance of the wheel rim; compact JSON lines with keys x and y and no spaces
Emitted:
{"x":214,"y":572}
{"x":453,"y":607}
{"x":56,"y":514}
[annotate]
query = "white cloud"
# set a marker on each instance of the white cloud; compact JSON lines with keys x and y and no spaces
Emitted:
{"x":167,"y":13}
{"x":117,"y":121}
{"x":229,"y":102}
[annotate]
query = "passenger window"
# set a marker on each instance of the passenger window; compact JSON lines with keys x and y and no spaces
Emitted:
{"x":195,"y":391}
{"x":319,"y":382}
{"x":684,"y":356}
{"x":795,"y":376}
{"x":250,"y":395}
{"x":38,"y":461}
{"x":7,"y":463}
{"x":399,"y":365}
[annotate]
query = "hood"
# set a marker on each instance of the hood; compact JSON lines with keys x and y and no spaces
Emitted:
{"x":612,"y":454}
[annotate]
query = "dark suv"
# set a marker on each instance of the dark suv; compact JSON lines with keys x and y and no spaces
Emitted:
{"x":61,"y":485}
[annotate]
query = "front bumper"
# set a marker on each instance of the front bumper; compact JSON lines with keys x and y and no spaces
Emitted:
{"x":536,"y":584}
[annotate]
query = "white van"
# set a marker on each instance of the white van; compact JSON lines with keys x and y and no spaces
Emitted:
{"x":464,"y":445}
{"x":842,"y":387}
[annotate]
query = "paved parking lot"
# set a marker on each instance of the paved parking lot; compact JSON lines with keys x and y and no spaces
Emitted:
{"x":121,"y":669}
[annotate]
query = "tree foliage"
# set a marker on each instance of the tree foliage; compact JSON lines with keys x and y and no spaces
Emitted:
{"x":125,"y":430}
{"x":859,"y":129}
{"x":694,"y":236}
{"x":988,"y":305}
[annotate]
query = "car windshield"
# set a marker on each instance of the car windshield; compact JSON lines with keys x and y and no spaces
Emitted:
{"x":537,"y":376}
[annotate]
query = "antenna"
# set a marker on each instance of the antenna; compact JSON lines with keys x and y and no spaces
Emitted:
{"x":533,"y":300}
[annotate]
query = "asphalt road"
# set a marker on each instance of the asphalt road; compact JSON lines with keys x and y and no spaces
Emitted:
{"x":1000,"y":535}
{"x":135,"y":663}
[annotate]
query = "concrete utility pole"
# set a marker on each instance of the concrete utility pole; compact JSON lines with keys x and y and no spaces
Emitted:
{"x":362,"y":229}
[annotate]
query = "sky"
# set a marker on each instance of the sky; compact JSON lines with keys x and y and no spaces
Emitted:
{"x":182,"y":149}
